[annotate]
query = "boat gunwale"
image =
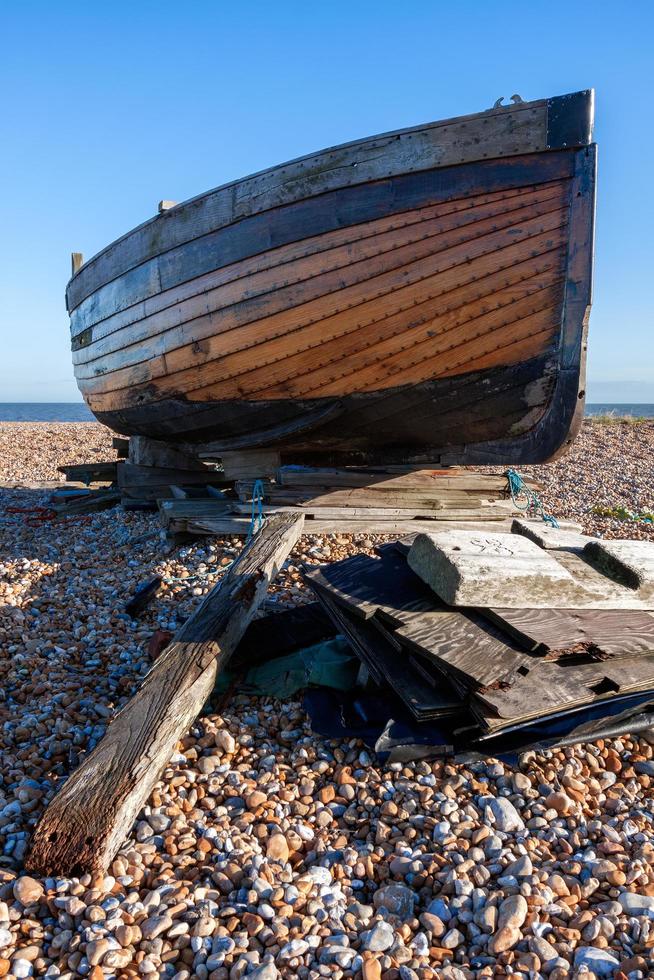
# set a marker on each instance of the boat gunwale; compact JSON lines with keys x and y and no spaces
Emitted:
{"x":584,"y":138}
{"x":453,"y":178}
{"x":166,"y":329}
{"x":499,"y":196}
{"x":560,"y":419}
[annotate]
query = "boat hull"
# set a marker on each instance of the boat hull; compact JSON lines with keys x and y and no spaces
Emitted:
{"x":439,"y":313}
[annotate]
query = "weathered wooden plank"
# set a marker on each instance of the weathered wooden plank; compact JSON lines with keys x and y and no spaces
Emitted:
{"x":466,"y":645}
{"x":88,"y":504}
{"x":380,"y":656}
{"x":131,"y":474}
{"x":393,"y":478}
{"x":376,"y":496}
{"x":55,"y":485}
{"x":153,"y":482}
{"x":142,"y":596}
{"x":164,"y":455}
{"x":101,"y":472}
{"x":278,"y":633}
{"x":248,"y":464}
{"x":239,"y":525}
{"x":555,"y":686}
{"x":86,"y":822}
{"x":121,"y":446}
{"x":448,"y":490}
{"x":454,"y":641}
{"x":399,"y":499}
{"x":366,"y":585}
{"x":191,"y":510}
{"x":377,"y":513}
{"x":610,"y":633}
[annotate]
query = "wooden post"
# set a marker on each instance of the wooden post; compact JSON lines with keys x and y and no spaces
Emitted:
{"x":76,"y":262}
{"x":85,"y":824}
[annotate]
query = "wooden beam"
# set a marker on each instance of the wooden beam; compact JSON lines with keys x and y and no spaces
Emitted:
{"x":165,"y":206}
{"x":234,"y":524}
{"x":165,"y":455}
{"x":95,"y":500}
{"x":152,"y":482}
{"x":395,"y":478}
{"x":85,"y":824}
{"x":101,"y":472}
{"x":121,"y":446}
{"x":76,"y":262}
{"x":250,"y":464}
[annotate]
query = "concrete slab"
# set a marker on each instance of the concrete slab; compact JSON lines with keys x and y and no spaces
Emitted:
{"x":548,"y":537}
{"x":475,"y":569}
{"x":629,"y":562}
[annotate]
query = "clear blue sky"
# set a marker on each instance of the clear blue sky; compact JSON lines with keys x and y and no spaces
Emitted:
{"x":108,"y":107}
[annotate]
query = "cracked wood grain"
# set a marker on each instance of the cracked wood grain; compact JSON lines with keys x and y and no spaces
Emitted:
{"x":87,"y":821}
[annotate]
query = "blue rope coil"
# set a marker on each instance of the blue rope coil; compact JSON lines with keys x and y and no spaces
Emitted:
{"x":256,"y":521}
{"x":526,"y":499}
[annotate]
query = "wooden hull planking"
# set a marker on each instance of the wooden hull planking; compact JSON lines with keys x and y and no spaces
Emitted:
{"x":427,"y":310}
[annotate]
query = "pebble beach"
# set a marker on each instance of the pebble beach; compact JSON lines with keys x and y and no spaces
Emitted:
{"x":266,"y":851}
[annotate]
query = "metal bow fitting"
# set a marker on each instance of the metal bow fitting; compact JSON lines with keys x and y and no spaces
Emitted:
{"x":515,"y":98}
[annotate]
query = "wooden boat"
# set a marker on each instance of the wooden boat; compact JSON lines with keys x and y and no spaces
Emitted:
{"x":423,"y":294}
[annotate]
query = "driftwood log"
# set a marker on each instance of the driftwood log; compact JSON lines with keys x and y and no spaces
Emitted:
{"x":87,"y":821}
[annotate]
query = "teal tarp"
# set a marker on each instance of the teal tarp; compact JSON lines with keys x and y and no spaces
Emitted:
{"x":327,"y":664}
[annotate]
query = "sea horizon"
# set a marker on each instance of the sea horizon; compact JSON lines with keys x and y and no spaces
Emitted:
{"x":79,"y":412}
{"x":45,"y":412}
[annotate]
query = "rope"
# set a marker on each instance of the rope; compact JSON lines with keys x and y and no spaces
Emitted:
{"x":37,"y":516}
{"x":256,"y":521}
{"x":526,"y":499}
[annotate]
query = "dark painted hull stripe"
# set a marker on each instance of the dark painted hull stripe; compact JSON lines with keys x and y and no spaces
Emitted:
{"x":207,"y":282}
{"x":393,"y":290}
{"x":403,"y":416}
{"x":88,"y":347}
{"x":315,"y":216}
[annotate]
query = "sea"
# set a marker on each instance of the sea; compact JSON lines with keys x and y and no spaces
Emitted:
{"x":634,"y":409}
{"x":78,"y":412}
{"x":45,"y":412}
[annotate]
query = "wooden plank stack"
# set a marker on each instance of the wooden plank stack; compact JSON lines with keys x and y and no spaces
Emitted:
{"x":489,"y":670}
{"x":389,"y":493}
{"x":201,"y":497}
{"x":381,"y":500}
